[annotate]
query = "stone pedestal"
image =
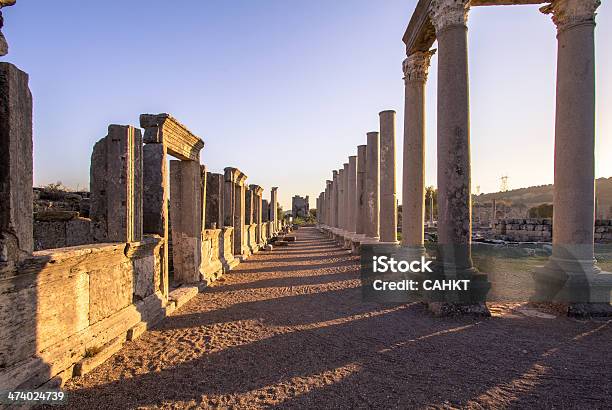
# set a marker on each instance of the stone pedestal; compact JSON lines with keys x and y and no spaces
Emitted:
{"x":186,"y":217}
{"x":16,"y":224}
{"x":388,"y":198}
{"x":415,"y":69}
{"x":116,"y":186}
{"x":372,"y":186}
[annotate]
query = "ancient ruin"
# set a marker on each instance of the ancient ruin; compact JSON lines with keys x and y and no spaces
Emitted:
{"x":81,"y":280}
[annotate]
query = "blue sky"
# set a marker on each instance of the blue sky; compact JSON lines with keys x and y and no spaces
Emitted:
{"x":285,"y":90}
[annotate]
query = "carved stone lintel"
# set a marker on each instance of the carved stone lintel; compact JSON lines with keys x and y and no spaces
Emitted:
{"x":566,"y":13}
{"x":445,"y":13}
{"x":416,"y":65}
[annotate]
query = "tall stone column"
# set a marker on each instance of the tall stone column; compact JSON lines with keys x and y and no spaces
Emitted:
{"x":16,"y":238}
{"x":116,"y":186}
{"x":352,"y":194}
{"x":274,"y":209}
{"x":449,"y":18}
{"x":454,"y":215}
{"x":415,"y":69}
{"x":388,"y":198}
{"x":328,"y":202}
{"x":373,"y":185}
{"x":334,"y":201}
{"x":571,"y":266}
{"x":186,"y":217}
{"x":345,"y":184}
{"x":341,"y":206}
{"x":361,"y":223}
{"x":257,"y":212}
{"x":214,"y":201}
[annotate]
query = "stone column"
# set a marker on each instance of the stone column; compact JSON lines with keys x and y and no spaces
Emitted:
{"x":214,"y":201}
{"x":334,"y":200}
{"x":265,"y":210}
{"x":186,"y":217}
{"x":16,"y":238}
{"x":274,"y":209}
{"x":116,"y":186}
{"x":415,"y":69}
{"x":234,"y":208}
{"x":341,"y":199}
{"x":345,"y":197}
{"x":352,"y":194}
{"x":388,"y":198}
{"x":258,"y":218}
{"x":571,"y":265}
{"x":454,"y":215}
{"x":361,"y":223}
{"x":328,"y":207}
{"x":373,"y":185}
{"x":249,"y":203}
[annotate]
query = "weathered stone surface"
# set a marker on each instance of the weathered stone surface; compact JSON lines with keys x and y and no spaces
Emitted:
{"x":185,"y":213}
{"x":227,"y":249}
{"x":55,"y":216}
{"x":372,"y":210}
{"x":211,"y":267}
{"x":234,"y":208}
{"x":116,"y":186}
{"x":388,"y":197}
{"x":16,"y":239}
{"x":110,"y":290}
{"x":155,"y":194}
{"x":300,"y":206}
{"x":182,"y":295}
{"x":165,"y":129}
{"x":214,"y":200}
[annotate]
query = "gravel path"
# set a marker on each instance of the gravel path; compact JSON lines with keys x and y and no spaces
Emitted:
{"x":288,"y":329}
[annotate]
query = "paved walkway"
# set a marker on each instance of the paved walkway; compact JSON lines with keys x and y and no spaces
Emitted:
{"x":288,"y":329}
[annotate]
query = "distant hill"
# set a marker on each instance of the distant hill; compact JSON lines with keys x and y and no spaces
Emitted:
{"x":537,"y":195}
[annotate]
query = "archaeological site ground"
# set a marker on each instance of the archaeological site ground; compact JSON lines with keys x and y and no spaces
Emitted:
{"x":169,"y":282}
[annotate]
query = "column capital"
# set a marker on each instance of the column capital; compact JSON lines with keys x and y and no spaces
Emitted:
{"x":566,"y":13}
{"x":416,"y":65}
{"x":446,"y":13}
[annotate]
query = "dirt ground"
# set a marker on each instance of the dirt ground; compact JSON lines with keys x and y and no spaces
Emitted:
{"x":289,"y":329}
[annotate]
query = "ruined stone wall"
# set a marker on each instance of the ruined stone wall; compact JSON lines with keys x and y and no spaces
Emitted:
{"x":540,"y":230}
{"x":58,"y":321}
{"x":300,"y":206}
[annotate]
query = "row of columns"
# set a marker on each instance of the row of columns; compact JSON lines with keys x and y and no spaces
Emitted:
{"x":360,"y":200}
{"x":370,"y":188}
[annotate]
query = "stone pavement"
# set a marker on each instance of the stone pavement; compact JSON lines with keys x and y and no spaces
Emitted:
{"x":288,"y":328}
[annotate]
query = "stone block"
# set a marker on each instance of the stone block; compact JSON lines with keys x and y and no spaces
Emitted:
{"x":155,"y":195}
{"x":78,"y":232}
{"x":116,"y":186}
{"x":182,"y":295}
{"x":165,"y":129}
{"x":16,"y":196}
{"x":186,"y":216}
{"x":110,"y":290}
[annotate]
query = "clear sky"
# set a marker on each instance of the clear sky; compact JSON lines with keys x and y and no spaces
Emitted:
{"x":285,"y":90}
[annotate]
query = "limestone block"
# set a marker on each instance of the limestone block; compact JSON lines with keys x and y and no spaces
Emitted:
{"x":16,"y":196}
{"x":155,"y":195}
{"x":110,"y":290}
{"x":165,"y":129}
{"x":214,"y":200}
{"x":211,"y":267}
{"x":116,"y":186}
{"x":96,"y":358}
{"x":183,"y":294}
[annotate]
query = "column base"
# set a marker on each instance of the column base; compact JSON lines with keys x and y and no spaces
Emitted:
{"x":479,"y":285}
{"x":578,"y":282}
